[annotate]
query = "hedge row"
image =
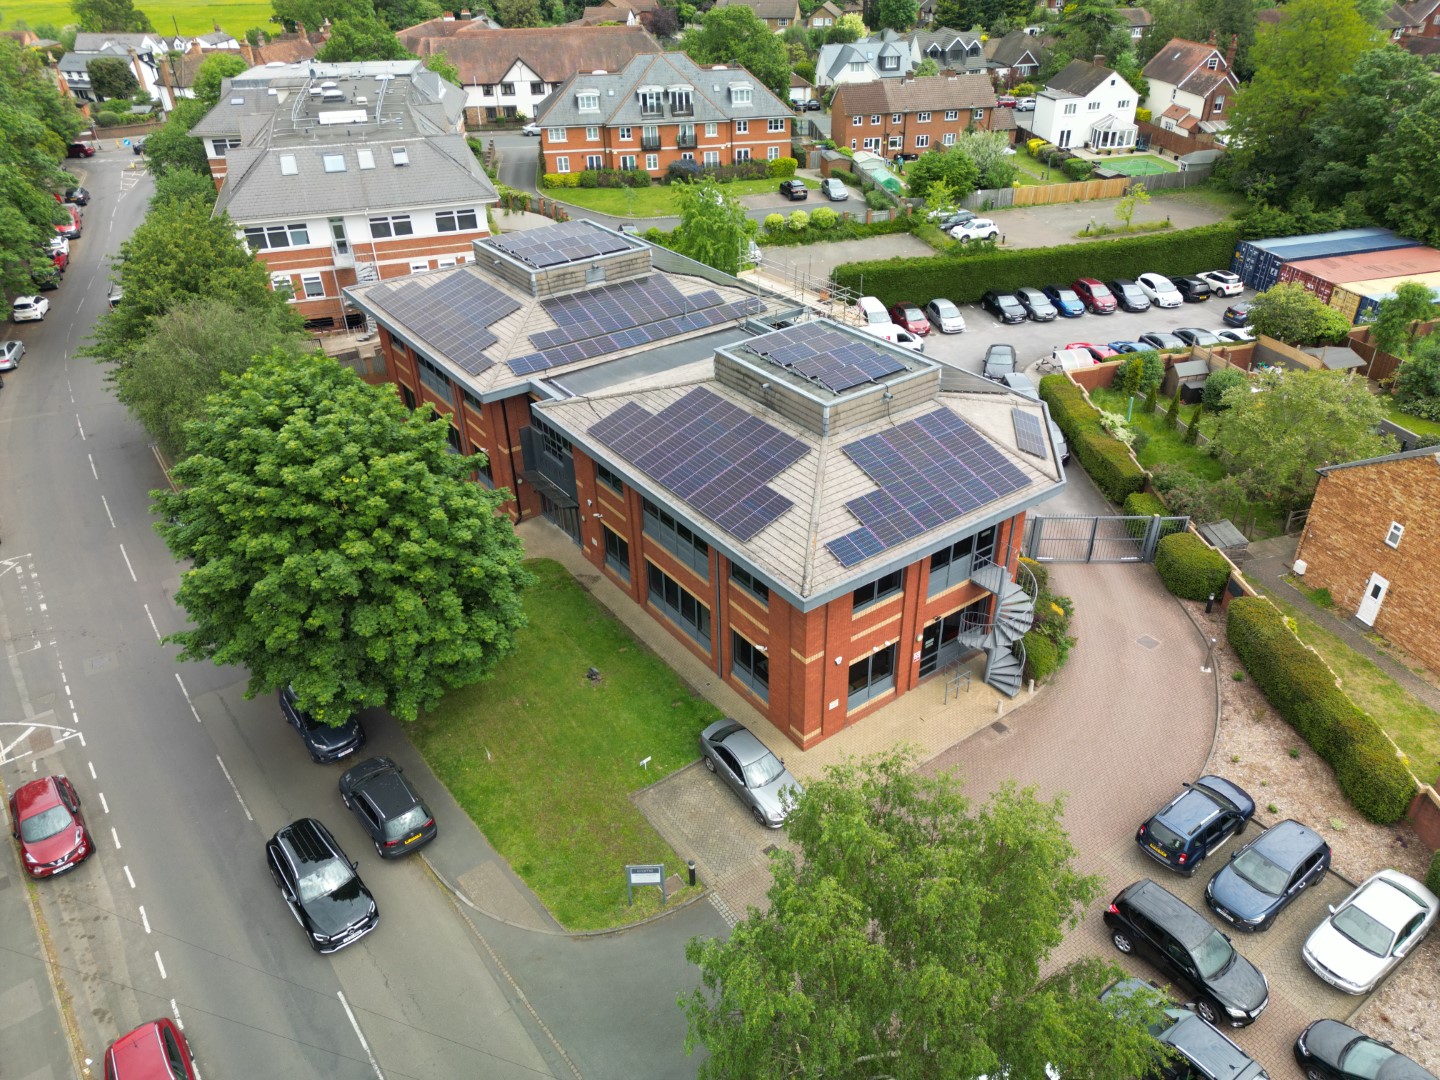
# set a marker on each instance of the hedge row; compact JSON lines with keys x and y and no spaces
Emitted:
{"x":1190,"y":568}
{"x":1302,"y":689}
{"x":1145,"y":504}
{"x":1041,"y":656}
{"x":1104,"y":457}
{"x":965,"y":274}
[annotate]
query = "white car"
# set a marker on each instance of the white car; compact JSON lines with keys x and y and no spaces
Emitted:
{"x":977,"y":229}
{"x":1222,"y":282}
{"x":1160,"y":290}
{"x":530,"y":129}
{"x":1377,"y":926}
{"x":945,"y":316}
{"x":896,"y":335}
{"x":1235,"y":337}
{"x":29,"y":308}
{"x":10,"y":354}
{"x":58,"y":244}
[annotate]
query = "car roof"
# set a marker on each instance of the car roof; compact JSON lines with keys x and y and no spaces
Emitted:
{"x":1178,"y":917}
{"x":941,"y":302}
{"x":140,"y":1054}
{"x":1000,"y":347}
{"x":1287,"y":841}
{"x":1089,"y":281}
{"x":307,"y":841}
{"x":37,"y":796}
{"x":1386,"y":902}
{"x":1200,"y":1042}
{"x":390,"y":792}
{"x":741,"y":742}
{"x":1191,"y":809}
{"x":1030,"y":290}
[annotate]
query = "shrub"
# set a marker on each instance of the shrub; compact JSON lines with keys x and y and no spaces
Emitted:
{"x":1192,"y":426}
{"x":560,"y":180}
{"x":1078,"y":168}
{"x":1105,"y":458}
{"x":1041,"y":573}
{"x":1139,"y":373}
{"x":683,"y":171}
{"x":1302,"y":689}
{"x":846,"y":228}
{"x":822,"y":217}
{"x":1172,"y":414}
{"x":1216,"y":385}
{"x":877,"y":200}
{"x":782,"y":168}
{"x":774,"y":222}
{"x":1432,"y":876}
{"x":106,"y":118}
{"x":1189,"y":567}
{"x":1145,"y":504}
{"x":589,"y":178}
{"x":799,"y":221}
{"x":1041,"y":656}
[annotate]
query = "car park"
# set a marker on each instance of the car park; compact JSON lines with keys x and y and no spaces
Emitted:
{"x":944,"y":315}
{"x":1368,"y":934}
{"x":808,"y":105}
{"x":1222,"y":282}
{"x":1161,"y":341}
{"x":1235,"y":337}
{"x":948,"y":219}
{"x":794,"y":190}
{"x":1065,"y":300}
{"x":1128,"y":295}
{"x":153,"y":1051}
{"x":1265,"y":875}
{"x":731,"y":751}
{"x":1097,"y":352}
{"x":1123,"y":347}
{"x":10,"y":354}
{"x":895,"y":334}
{"x":1330,"y":1050}
{"x":387,"y":807}
{"x":1196,"y":823}
{"x":77,"y":195}
{"x":1036,"y":304}
{"x":910,"y":317}
{"x":531,"y":129}
{"x":320,"y":885}
{"x":29,"y":309}
{"x":1159,"y":290}
{"x":834,"y":189}
{"x":1147,"y":920}
{"x":1237,"y":314}
{"x":999,"y":361}
{"x":46,"y":821}
{"x":1095,"y":295}
{"x":1004,"y":306}
{"x":1192,"y":289}
{"x":325,"y":742}
{"x":1199,"y":1050}
{"x":1194,"y":335}
{"x":975,"y":229}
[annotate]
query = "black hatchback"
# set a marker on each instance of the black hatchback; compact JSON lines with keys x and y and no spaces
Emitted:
{"x":1128,"y":295}
{"x":1196,"y":823}
{"x":326,"y":742}
{"x":1266,"y":874}
{"x":1194,"y":290}
{"x":388,"y":808}
{"x":1003,"y":306}
{"x":320,"y":886}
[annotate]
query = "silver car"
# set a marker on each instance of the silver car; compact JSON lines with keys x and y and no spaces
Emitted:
{"x":10,"y":354}
{"x":1377,"y":926}
{"x":945,"y":316}
{"x":757,"y":776}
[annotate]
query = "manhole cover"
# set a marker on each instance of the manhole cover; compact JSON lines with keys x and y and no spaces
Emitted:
{"x":999,"y":728}
{"x":1147,"y":642}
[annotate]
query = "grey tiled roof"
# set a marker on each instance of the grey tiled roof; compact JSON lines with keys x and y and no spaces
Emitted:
{"x":767,"y":9}
{"x":89,"y":42}
{"x":1077,"y":79}
{"x":1012,"y":49}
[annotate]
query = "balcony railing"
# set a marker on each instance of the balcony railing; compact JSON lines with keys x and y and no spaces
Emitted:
{"x":649,"y":142}
{"x":685,"y":141}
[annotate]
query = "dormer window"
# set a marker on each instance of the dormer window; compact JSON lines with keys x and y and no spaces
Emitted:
{"x":681,"y":101}
{"x":588,"y":100}
{"x":1213,"y":63}
{"x":651,"y":100}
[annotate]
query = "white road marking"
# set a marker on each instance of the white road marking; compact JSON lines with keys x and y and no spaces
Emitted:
{"x":145,"y":919}
{"x":360,"y":1035}
{"x":93,"y":471}
{"x":103,"y":804}
{"x":81,"y":426}
{"x":194,"y":713}
{"x":107,"y":511}
{"x":128,"y":878}
{"x":160,"y":964}
{"x":152,"y":623}
{"x":175,"y":1012}
{"x":234,"y":789}
{"x":92,"y":770}
{"x":5,"y":750}
{"x":115,"y":836}
{"x":127,"y":561}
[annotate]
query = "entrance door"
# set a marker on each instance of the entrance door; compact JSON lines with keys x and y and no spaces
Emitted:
{"x":1375,"y":591}
{"x":940,"y":644}
{"x":567,"y":517}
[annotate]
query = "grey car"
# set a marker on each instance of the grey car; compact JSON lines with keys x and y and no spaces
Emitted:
{"x":732,"y":752}
{"x":1266,"y":874}
{"x":10,"y":354}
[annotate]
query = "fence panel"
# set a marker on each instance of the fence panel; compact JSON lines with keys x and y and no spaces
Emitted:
{"x":1098,"y":539}
{"x":1081,"y":191}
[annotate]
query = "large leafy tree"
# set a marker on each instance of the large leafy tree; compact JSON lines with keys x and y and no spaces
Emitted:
{"x":987,"y":149}
{"x":968,"y":14}
{"x":1293,"y":314}
{"x":897,"y":15}
{"x":1403,"y":178}
{"x":361,"y":38}
{"x":1397,"y":322}
{"x":337,"y":545}
{"x":909,"y":939}
{"x":734,"y":33}
{"x":313,"y":13}
{"x":515,"y":13}
{"x":1092,"y":27}
{"x":115,"y":16}
{"x":1417,"y":383}
{"x":714,"y":228}
{"x":398,"y":14}
{"x":952,"y":165}
{"x":213,"y":69}
{"x":111,"y":77}
{"x":173,"y":147}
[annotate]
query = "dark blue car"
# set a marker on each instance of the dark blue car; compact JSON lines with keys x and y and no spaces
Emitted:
{"x":1196,"y":823}
{"x":1266,"y":874}
{"x":1065,"y":300}
{"x":1128,"y":346}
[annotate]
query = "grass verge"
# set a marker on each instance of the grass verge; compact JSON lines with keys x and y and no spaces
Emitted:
{"x":657,"y":200}
{"x":544,"y":760}
{"x":1418,"y":424}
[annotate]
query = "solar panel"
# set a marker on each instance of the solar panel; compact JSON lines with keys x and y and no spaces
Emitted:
{"x":823,"y":354}
{"x":927,"y":471}
{"x":555,"y":245}
{"x":1028,"y":434}
{"x":453,"y":314}
{"x":709,"y":453}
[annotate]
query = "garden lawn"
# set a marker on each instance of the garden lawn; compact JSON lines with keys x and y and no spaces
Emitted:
{"x":657,"y":200}
{"x":1419,"y":425}
{"x":1160,"y":163}
{"x":192,"y":18}
{"x":544,"y":760}
{"x":1032,"y":172}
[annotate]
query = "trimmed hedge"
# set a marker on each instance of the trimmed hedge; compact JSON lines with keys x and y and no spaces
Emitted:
{"x":1302,"y":689}
{"x":1041,"y":656}
{"x":1104,"y":457}
{"x":964,"y":274}
{"x":1432,"y":876}
{"x":1145,"y":504}
{"x":1190,"y":568}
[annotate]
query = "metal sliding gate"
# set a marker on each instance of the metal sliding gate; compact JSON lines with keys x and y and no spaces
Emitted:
{"x":1097,"y":539}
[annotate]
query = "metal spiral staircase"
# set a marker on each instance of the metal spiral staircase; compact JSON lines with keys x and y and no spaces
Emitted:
{"x":1000,"y":638}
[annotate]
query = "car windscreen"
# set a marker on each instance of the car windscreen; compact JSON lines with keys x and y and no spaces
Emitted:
{"x":1065,"y":296}
{"x":945,"y":309}
{"x":1364,"y":1057}
{"x":1372,"y":936}
{"x":324,"y":880}
{"x":762,"y":771}
{"x":45,"y":825}
{"x":1261,"y":872}
{"x":406,"y":823}
{"x":1213,"y":955}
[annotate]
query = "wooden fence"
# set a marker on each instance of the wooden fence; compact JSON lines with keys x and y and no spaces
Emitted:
{"x":1174,"y":142}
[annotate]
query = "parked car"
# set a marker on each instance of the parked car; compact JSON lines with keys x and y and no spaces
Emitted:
{"x":531,"y":129}
{"x":1204,"y":1052}
{"x":1266,"y":874}
{"x":944,"y":314}
{"x":153,"y":1051}
{"x":1194,"y":335}
{"x":10,"y":354}
{"x":1194,"y":290}
{"x":59,"y":243}
{"x":320,"y":886}
{"x":1025,"y":104}
{"x":29,"y":309}
{"x":1159,"y":290}
{"x":808,"y":105}
{"x":948,"y":219}
{"x":388,"y":807}
{"x":80,"y":150}
{"x":1222,"y":282}
{"x":1095,"y":295}
{"x":731,"y":751}
{"x":1003,"y":306}
{"x":45,"y":278}
{"x":46,"y":821}
{"x":975,"y":229}
{"x":910,"y":317}
{"x":1128,"y":295}
{"x":1196,"y":823}
{"x":794,"y":190}
{"x":1065,"y":300}
{"x":1097,"y":352}
{"x":1237,"y":314}
{"x":1235,"y":337}
{"x":60,"y":259}
{"x":834,"y":189}
{"x":326,"y":742}
{"x":999,"y":361}
{"x":1128,"y":346}
{"x":871,"y":310}
{"x":1147,"y":920}
{"x":1036,"y":304}
{"x":137,"y":146}
{"x":1330,"y":1050}
{"x":77,"y":195}
{"x":1005,"y":101}
{"x":895,"y":334}
{"x":1160,"y":340}
{"x":71,"y":227}
{"x":1377,"y":926}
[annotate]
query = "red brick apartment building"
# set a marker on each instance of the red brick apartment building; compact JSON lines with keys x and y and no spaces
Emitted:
{"x":337,"y":174}
{"x":1373,"y":539}
{"x":910,"y":116}
{"x":824,"y":519}
{"x":659,"y":109}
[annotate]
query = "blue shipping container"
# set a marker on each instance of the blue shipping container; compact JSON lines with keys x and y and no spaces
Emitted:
{"x":1265,"y":270}
{"x":1250,"y":253}
{"x":1370,"y":306}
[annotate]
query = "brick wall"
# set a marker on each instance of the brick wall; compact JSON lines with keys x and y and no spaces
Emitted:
{"x":1424,"y":816}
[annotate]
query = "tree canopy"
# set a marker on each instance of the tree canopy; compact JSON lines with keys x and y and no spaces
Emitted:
{"x":907,"y":939}
{"x":951,"y":164}
{"x":361,"y":37}
{"x":215,"y":67}
{"x":337,"y":546}
{"x":173,"y":147}
{"x":518,"y":13}
{"x":897,"y":15}
{"x":1398,"y":319}
{"x":115,"y":16}
{"x":735,"y":33}
{"x":1417,"y":383}
{"x":313,"y":13}
{"x":714,"y":228}
{"x":111,"y":78}
{"x":1293,"y":314}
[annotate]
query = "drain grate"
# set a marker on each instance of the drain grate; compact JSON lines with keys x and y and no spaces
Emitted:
{"x":1147,"y":642}
{"x":999,"y":728}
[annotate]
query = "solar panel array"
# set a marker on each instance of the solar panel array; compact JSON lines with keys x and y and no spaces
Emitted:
{"x":1028,"y":434}
{"x":710,"y":453}
{"x":929,"y":471}
{"x":453,"y":315}
{"x":836,"y":360}
{"x":555,"y":245}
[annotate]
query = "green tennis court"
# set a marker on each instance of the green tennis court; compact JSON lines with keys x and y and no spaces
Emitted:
{"x":1135,"y":166}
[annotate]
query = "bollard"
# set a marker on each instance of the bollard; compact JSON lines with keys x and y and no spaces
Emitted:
{"x":1210,"y":604}
{"x":690,"y":866}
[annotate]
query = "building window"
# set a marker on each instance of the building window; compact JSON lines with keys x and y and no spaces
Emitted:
{"x":594,"y":161}
{"x":650,"y":102}
{"x":872,"y":676}
{"x":1093,"y":106}
{"x":488,"y":89}
{"x":1070,"y":108}
{"x":456,"y":220}
{"x":712,"y":130}
{"x":953,"y":564}
{"x":856,"y":67}
{"x":772,"y":154}
{"x":221,"y":145}
{"x":712,"y":157}
{"x":895,"y":118}
{"x":313,"y":285}
{"x":334,"y":162}
{"x":889,"y":63}
{"x":949,"y":138}
{"x":617,"y":552}
{"x":681,"y":103}
{"x":750,"y":665}
{"x":537,"y":89}
{"x":775,"y":124}
{"x":395,"y":225}
{"x":282,"y":284}
{"x":555,"y":134}
{"x":262,"y":237}
{"x":562,"y":164}
{"x":878,"y":589}
{"x":453,"y":445}
{"x":750,"y":583}
{"x":897,"y":142}
{"x":652,"y":162}
{"x":678,"y":605}
{"x":677,"y":538}
{"x":922,"y":141}
{"x":507,"y":89}
{"x":922,"y":118}
{"x":626,"y":134}
{"x":1123,"y":103}
{"x":875,"y":119}
{"x":1213,"y":63}
{"x":742,"y":127}
{"x":742,"y":153}
{"x":740,"y":95}
{"x":419,"y":266}
{"x":1219,"y":104}
{"x":1396,"y":531}
{"x":587,"y":102}
{"x":872,"y":143}
{"x":553,"y":445}
{"x":433,"y":378}
{"x":857,"y":120}
{"x":607,"y":477}
{"x":592,"y":134}
{"x":627,"y":161}
{"x":978,"y":115}
{"x":952,"y":114}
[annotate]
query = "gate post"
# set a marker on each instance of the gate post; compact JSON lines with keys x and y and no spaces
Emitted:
{"x":1094,"y":529}
{"x":1152,"y":539}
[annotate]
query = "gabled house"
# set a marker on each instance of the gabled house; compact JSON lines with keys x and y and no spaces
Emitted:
{"x":218,"y":39}
{"x":886,"y":56}
{"x":1191,"y":87}
{"x":1086,"y":105}
{"x":910,"y":116}
{"x":1422,"y":19}
{"x":1017,"y":57}
{"x":778,"y":15}
{"x":1136,"y":21}
{"x":1372,"y":538}
{"x":177,"y":73}
{"x":622,"y":12}
{"x":824,"y":17}
{"x":952,"y":50}
{"x":660,"y":109}
{"x":144,"y":54}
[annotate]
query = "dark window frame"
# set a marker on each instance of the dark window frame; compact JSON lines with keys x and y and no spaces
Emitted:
{"x":882,"y":588}
{"x":750,"y":583}
{"x":677,"y":538}
{"x":456,"y":220}
{"x":750,"y":665}
{"x":617,"y":552}
{"x":606,"y":476}
{"x":678,"y":605}
{"x":878,"y":673}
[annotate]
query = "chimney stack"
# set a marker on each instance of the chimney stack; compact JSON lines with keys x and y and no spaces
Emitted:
{"x":1230,"y":52}
{"x":300,"y":32}
{"x":1099,"y":60}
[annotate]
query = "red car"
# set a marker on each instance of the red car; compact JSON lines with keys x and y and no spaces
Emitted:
{"x":910,"y":317}
{"x":80,"y":149}
{"x":1097,"y":352}
{"x":153,"y":1051}
{"x":1095,"y":295}
{"x":46,"y":820}
{"x":60,"y":258}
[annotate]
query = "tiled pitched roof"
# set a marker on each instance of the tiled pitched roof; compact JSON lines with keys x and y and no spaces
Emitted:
{"x":860,"y":99}
{"x":553,"y":52}
{"x":440,"y":28}
{"x":1175,"y":112}
{"x":932,"y":93}
{"x":619,"y":98}
{"x":1404,"y":455}
{"x":766,"y":9}
{"x":1421,"y":10}
{"x":1011,"y":50}
{"x":1001,"y":120}
{"x":1180,"y":58}
{"x":1078,"y":78}
{"x":1134,"y":16}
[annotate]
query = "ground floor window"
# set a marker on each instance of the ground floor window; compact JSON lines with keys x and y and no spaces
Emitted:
{"x":712,"y":157}
{"x":617,"y":552}
{"x":678,"y":605}
{"x":772,"y":154}
{"x":627,"y":161}
{"x":594,"y":161}
{"x":742,"y":153}
{"x":872,"y":676}
{"x":652,"y":162}
{"x":750,"y":665}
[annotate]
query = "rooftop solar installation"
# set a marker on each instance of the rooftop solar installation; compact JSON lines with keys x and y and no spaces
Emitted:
{"x":453,"y":315}
{"x":710,"y":453}
{"x":836,"y":360}
{"x":1028,"y":434}
{"x":555,"y":245}
{"x":928,"y":471}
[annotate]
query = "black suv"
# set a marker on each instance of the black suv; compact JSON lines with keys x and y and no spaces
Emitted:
{"x":794,"y":190}
{"x":1192,"y":289}
{"x":320,"y":885}
{"x":387,"y":806}
{"x":327,"y":743}
{"x":1195,"y":823}
{"x":1147,"y":920}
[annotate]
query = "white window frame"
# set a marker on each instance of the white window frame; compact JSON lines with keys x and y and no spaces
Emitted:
{"x":626,"y":134}
{"x":466,"y":220}
{"x":978,"y":115}
{"x":875,"y":119}
{"x":949,"y":138}
{"x":652,"y":162}
{"x":594,"y":161}
{"x":1396,"y":532}
{"x":562,"y":164}
{"x":772,"y":154}
{"x":895,"y":118}
{"x":588,"y":101}
{"x":775,"y":124}
{"x":922,"y":141}
{"x":712,"y":157}
{"x":419,"y":266}
{"x":742,"y":127}
{"x":556,"y":134}
{"x":741,"y":95}
{"x":592,"y":134}
{"x":315,"y":282}
{"x":712,"y":130}
{"x":1071,"y":108}
{"x":952,"y":114}
{"x":628,"y":161}
{"x":922,"y":118}
{"x":742,"y":153}
{"x":897,"y":142}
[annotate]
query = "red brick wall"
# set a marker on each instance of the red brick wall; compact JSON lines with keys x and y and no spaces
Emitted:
{"x":611,"y":148}
{"x":845,"y":129}
{"x":1424,"y":816}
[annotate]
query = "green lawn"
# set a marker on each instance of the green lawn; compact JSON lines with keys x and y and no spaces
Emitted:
{"x":657,"y":200}
{"x":1032,"y":172}
{"x":1160,"y":163}
{"x":544,"y":760}
{"x":165,"y":15}
{"x":1417,"y":424}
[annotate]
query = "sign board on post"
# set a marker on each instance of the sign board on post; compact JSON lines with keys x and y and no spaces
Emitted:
{"x":645,"y":874}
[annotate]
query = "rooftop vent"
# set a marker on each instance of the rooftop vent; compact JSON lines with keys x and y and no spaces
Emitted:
{"x":288,"y":167}
{"x":400,"y":155}
{"x":237,"y":101}
{"x":366,"y":158}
